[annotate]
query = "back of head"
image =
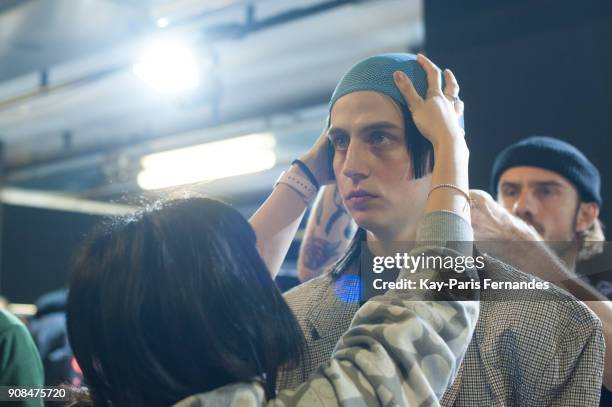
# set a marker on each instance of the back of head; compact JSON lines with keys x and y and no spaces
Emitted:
{"x":175,"y":301}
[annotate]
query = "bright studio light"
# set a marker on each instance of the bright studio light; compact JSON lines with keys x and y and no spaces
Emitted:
{"x":168,"y":67}
{"x":162,"y":22}
{"x":207,"y":162}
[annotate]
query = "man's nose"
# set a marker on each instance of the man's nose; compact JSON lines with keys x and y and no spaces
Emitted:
{"x":524,"y":206}
{"x":355,"y":163}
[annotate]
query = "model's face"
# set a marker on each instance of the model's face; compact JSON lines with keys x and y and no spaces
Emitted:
{"x":372,"y":164}
{"x":542,"y":198}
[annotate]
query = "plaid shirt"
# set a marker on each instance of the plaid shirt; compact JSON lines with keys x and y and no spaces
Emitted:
{"x":530,"y":347}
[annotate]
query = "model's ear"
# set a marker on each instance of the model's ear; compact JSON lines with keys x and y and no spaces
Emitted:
{"x":588,"y":212}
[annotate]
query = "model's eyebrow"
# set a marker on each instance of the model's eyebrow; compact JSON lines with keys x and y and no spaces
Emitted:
{"x":335,"y":131}
{"x":370,"y":127}
{"x":549,"y":184}
{"x":532,"y":184}
{"x":510,"y":184}
{"x":381,"y":126}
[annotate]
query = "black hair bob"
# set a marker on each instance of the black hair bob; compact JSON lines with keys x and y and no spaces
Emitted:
{"x":175,"y":301}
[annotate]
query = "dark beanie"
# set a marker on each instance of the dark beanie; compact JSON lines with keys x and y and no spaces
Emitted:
{"x":553,"y":155}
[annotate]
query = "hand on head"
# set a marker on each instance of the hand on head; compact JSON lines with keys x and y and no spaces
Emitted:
{"x":318,"y":160}
{"x":437,"y":115}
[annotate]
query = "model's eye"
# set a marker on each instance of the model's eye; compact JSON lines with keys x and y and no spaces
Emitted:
{"x":340,"y":141}
{"x":378,"y":138}
{"x":509,"y":191}
{"x":544,"y":191}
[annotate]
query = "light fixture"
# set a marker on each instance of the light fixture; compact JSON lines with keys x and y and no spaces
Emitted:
{"x":207,"y":162}
{"x":168,"y":67}
{"x":162,"y":22}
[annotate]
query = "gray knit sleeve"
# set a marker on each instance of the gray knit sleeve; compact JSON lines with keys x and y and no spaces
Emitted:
{"x":444,"y":226}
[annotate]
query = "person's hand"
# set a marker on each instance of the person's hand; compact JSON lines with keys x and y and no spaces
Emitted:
{"x":437,"y":116}
{"x":318,"y":160}
{"x":492,"y":222}
{"x":508,"y":238}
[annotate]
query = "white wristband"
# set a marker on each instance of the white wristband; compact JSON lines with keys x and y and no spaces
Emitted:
{"x":299,"y":184}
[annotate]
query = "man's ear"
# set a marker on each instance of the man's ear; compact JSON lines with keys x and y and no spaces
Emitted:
{"x":588,"y":212}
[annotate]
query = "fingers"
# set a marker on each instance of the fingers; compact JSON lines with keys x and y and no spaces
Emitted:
{"x":480,"y":196}
{"x":406,"y":88}
{"x":434,"y":83}
{"x":451,"y":91}
{"x":483,"y":202}
{"x":458,"y":105}
{"x":434,"y":80}
{"x":451,"y":88}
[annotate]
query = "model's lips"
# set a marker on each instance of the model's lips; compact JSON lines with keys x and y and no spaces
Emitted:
{"x":359,"y":196}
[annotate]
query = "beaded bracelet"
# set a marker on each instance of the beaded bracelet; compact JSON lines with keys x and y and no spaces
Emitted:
{"x":455,"y":187}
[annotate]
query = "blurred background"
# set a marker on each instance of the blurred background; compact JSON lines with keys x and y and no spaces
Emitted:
{"x":107,"y":104}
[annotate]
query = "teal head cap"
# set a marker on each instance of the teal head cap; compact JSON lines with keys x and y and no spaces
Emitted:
{"x":376,"y":74}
